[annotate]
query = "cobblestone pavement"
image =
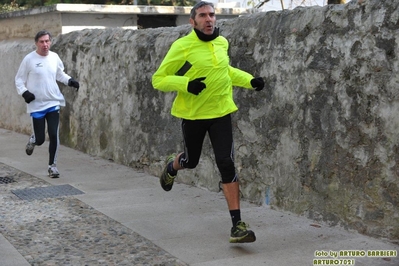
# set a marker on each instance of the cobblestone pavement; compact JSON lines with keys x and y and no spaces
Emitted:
{"x":66,"y":231}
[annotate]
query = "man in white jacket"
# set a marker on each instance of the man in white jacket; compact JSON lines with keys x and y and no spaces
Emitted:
{"x":36,"y":81}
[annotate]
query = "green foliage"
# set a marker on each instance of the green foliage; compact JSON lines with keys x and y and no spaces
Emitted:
{"x":8,"y":6}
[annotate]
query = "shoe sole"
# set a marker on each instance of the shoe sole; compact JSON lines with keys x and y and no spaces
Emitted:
{"x":54,"y":175}
{"x":29,"y":151}
{"x":166,"y":187}
{"x":249,"y":238}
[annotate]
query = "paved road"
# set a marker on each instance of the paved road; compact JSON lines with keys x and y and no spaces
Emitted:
{"x":116,"y":215}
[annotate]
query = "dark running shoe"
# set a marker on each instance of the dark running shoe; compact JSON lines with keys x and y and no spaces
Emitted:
{"x":241,"y":234}
{"x":30,"y":146}
{"x":166,"y":179}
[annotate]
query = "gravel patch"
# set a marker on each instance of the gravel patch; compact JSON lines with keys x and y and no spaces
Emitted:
{"x":66,"y":231}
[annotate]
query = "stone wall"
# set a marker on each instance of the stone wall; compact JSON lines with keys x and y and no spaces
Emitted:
{"x":28,"y":24}
{"x":321,"y":140}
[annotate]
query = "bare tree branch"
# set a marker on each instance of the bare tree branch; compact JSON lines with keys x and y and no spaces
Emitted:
{"x":261,"y":3}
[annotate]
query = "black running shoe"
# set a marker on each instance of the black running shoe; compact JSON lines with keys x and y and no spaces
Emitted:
{"x":241,"y":234}
{"x":166,"y":179}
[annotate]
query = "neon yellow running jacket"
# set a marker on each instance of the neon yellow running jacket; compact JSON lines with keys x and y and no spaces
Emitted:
{"x":190,"y":58}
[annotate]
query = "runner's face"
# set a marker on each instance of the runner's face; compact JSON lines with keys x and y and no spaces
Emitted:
{"x":204,"y":20}
{"x":43,"y":45}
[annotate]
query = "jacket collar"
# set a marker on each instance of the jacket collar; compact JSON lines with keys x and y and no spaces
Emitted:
{"x":206,"y":38}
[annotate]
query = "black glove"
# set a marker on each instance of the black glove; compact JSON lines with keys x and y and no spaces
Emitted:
{"x":196,"y":86}
{"x":73,"y":83}
{"x":258,"y":83}
{"x":28,"y":96}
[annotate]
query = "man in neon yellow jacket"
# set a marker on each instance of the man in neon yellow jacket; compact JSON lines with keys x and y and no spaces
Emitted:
{"x":197,"y":67}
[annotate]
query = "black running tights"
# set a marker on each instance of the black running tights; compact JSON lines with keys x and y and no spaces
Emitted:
{"x":53,"y":120}
{"x":221,"y":136}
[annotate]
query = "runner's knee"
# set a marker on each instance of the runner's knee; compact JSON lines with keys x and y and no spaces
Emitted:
{"x":39,"y":140}
{"x":189,"y":164}
{"x":226,"y":169}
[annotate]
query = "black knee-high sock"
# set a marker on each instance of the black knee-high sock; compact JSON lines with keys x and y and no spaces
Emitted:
{"x":171,"y":170}
{"x":235,"y":216}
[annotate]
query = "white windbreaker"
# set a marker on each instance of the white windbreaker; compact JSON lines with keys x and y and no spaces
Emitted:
{"x":39,"y":74}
